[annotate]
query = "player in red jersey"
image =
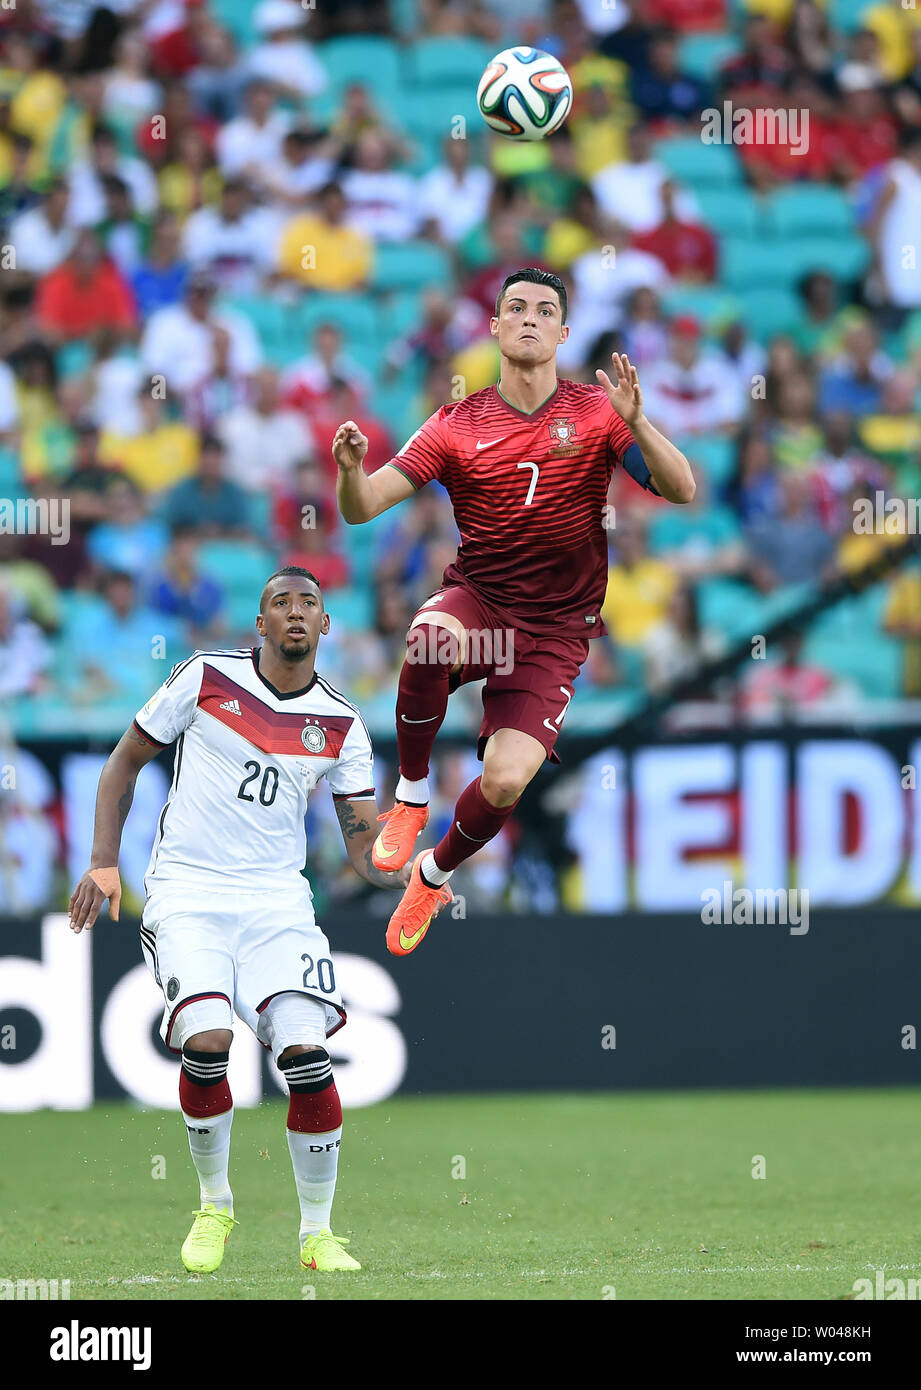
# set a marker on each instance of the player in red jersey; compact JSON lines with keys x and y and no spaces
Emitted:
{"x":527,"y":464}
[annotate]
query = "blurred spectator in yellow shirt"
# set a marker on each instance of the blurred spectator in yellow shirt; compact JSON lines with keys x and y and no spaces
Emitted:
{"x":161,"y":453}
{"x":320,"y":250}
{"x":902,"y":618}
{"x":639,"y":586}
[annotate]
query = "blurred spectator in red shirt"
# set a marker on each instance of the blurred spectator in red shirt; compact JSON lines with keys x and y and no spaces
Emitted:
{"x":505,"y":233}
{"x":310,"y":493}
{"x":864,"y":135}
{"x":686,"y":250}
{"x":808,"y":152}
{"x":176,"y":53}
{"x":312,"y":547}
{"x":688,"y":15}
{"x":341,"y":402}
{"x":776,"y":688}
{"x":84,"y":294}
{"x":446,"y":326}
{"x":310,"y":378}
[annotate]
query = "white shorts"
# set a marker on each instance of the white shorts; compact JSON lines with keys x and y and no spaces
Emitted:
{"x":219,"y":954}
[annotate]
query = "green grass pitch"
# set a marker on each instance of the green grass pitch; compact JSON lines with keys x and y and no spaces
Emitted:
{"x":563,"y":1197}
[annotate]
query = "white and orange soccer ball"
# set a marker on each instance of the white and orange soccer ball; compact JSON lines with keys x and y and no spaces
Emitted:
{"x":524,"y":94}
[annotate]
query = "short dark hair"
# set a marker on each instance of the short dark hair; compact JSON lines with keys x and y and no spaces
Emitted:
{"x":285,"y":572}
{"x":533,"y":276}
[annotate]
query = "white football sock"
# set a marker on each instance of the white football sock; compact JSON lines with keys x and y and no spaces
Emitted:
{"x":431,"y":871}
{"x":209,"y":1144}
{"x":315,"y":1159}
{"x":417,"y":792}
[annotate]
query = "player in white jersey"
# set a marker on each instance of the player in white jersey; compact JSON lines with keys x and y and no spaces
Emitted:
{"x":228,"y":925}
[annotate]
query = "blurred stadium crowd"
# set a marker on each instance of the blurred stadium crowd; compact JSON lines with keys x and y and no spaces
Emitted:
{"x":227,"y":226}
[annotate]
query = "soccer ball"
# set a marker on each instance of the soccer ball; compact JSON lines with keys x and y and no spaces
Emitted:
{"x":524,"y":94}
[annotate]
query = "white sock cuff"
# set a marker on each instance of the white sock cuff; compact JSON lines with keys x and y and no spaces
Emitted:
{"x":432,"y":872}
{"x":413,"y":791}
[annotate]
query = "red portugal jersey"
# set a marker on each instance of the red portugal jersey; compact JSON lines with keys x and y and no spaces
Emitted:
{"x":528,"y":493}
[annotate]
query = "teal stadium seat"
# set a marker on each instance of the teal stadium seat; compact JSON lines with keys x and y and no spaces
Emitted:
{"x":275,"y":322}
{"x":10,"y":478}
{"x":847,"y":15}
{"x":692,"y":162}
{"x":810,"y":210}
{"x":429,"y":115}
{"x":785,"y":601}
{"x":752,"y":263}
{"x":260,"y":513}
{"x":874,"y":663}
{"x":768,"y":312}
{"x":395,"y":401}
{"x":239,"y":613}
{"x":355,"y":315}
{"x":673,"y":528}
{"x":713,"y":305}
{"x":398,"y":312}
{"x":702,"y":55}
{"x":237,"y":16}
{"x":730,"y":211}
{"x":730,"y":608}
{"x":240,"y":567}
{"x":405,"y":18}
{"x":353,"y":608}
{"x":442,"y":61}
{"x":372,"y":60}
{"x":410,"y":265}
{"x":845,"y":257}
{"x":714,"y":453}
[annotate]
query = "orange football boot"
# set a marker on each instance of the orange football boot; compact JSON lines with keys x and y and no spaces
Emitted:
{"x":394,"y":844}
{"x":414,"y":913}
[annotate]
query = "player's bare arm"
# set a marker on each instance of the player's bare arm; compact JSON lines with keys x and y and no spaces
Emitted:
{"x":668,"y":466}
{"x":361,"y":498}
{"x":113,"y":802}
{"x":358,"y":822}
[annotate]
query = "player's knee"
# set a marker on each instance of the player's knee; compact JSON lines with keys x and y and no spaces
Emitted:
{"x":296,"y":1049}
{"x":434,"y":647}
{"x":306,"y":1069}
{"x":501,"y":783}
{"x":214,"y":1040}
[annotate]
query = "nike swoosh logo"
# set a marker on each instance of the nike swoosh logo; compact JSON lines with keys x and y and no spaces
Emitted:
{"x":490,"y":442}
{"x":408,"y":942}
{"x":418,"y":721}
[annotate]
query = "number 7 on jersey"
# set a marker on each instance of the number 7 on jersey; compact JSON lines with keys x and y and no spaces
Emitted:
{"x":534,"y":476}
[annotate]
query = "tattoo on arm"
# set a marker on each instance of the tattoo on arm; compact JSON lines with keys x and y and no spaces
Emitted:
{"x":356,"y":827}
{"x":381,"y":878}
{"x":124,"y":803}
{"x":133,"y":736}
{"x":352,"y":824}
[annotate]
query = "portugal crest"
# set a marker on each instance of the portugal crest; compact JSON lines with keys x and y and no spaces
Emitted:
{"x":313,"y":738}
{"x":563,"y":435}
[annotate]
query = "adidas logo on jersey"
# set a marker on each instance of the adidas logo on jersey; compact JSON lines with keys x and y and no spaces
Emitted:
{"x":233,"y":706}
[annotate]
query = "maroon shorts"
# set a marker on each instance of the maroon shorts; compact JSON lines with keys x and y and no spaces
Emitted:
{"x":529,"y":680}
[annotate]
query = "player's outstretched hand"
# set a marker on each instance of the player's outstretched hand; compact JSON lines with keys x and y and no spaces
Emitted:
{"x":349,"y":445}
{"x":624,"y":392}
{"x":90,"y":893}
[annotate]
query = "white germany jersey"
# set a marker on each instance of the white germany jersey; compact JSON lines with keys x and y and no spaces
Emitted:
{"x":247,"y":759}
